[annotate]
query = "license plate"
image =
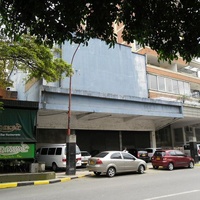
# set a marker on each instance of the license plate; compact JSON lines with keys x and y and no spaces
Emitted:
{"x":157,"y":158}
{"x":92,"y":162}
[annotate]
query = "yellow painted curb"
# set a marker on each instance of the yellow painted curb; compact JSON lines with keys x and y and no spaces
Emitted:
{"x":41,"y":182}
{"x":8,"y":185}
{"x":65,"y":179}
{"x":81,"y":176}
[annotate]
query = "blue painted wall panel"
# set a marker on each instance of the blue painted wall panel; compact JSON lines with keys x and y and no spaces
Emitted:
{"x":99,"y":68}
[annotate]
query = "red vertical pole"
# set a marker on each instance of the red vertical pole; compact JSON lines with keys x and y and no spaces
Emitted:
{"x":69,"y":106}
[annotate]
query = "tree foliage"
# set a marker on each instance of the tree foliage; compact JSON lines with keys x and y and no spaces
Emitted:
{"x":169,"y":27}
{"x":26,"y":55}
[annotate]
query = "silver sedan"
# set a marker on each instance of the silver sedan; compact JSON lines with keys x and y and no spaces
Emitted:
{"x":112,"y":162}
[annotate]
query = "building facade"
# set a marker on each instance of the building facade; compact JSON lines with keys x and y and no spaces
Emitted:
{"x":110,"y":104}
{"x":176,"y":81}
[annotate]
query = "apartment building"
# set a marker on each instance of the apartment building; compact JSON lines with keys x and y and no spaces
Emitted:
{"x":176,"y":81}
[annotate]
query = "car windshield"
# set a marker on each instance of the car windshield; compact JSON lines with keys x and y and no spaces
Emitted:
{"x":142,"y":152}
{"x":102,"y":154}
{"x":149,"y":150}
{"x":85,"y":153}
{"x":159,"y":153}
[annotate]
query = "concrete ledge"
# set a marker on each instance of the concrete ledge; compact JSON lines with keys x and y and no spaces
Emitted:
{"x":6,"y":178}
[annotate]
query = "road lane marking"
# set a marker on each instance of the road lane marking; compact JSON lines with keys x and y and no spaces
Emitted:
{"x":171,"y":195}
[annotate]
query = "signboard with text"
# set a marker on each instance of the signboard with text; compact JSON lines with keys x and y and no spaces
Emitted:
{"x":17,"y":151}
{"x":17,"y":125}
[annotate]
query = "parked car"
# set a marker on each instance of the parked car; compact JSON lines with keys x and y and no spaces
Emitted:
{"x":112,"y":162}
{"x":151,"y":151}
{"x":54,"y":156}
{"x":171,"y":159}
{"x":143,"y":155}
{"x":84,"y":157}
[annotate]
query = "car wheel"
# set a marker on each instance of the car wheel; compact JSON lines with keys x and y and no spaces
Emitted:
{"x":141,"y":169}
{"x":111,"y":172}
{"x":97,"y":173}
{"x":170,"y":166}
{"x":155,"y":167}
{"x":191,"y":164}
{"x":54,"y":167}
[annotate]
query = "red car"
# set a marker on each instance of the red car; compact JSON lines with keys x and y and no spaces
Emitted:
{"x":171,"y":159}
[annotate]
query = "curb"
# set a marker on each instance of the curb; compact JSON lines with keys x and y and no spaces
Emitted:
{"x":42,"y":182}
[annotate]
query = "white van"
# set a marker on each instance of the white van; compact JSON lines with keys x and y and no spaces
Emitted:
{"x":54,"y":156}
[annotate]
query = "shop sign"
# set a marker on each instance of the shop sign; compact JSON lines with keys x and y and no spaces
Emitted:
{"x":17,"y":151}
{"x":17,"y":125}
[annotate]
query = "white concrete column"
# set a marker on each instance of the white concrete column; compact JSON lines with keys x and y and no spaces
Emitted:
{"x":194,"y":134}
{"x":153,"y":139}
{"x":184,"y":135}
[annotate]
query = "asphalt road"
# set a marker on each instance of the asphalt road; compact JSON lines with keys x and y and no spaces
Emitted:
{"x":159,"y":184}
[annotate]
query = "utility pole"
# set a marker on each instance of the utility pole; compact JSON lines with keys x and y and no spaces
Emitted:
{"x":70,"y":138}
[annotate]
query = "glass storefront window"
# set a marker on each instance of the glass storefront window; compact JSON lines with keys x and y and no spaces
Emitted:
{"x":178,"y":137}
{"x":163,"y":137}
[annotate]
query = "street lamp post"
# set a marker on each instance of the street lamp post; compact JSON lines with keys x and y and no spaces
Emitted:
{"x":70,"y":138}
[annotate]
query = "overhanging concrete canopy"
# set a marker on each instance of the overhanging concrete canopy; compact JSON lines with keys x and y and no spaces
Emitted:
{"x":105,"y":111}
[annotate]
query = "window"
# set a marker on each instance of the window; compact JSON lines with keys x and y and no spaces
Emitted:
{"x":44,"y":151}
{"x":152,"y":82}
{"x":58,"y":151}
{"x":51,"y":151}
{"x":102,"y":154}
{"x":85,"y":153}
{"x":127,"y":156}
{"x":187,"y":88}
{"x":181,"y":87}
{"x":169,"y":85}
{"x":159,"y":153}
{"x":161,"y":83}
{"x":179,"y":153}
{"x":172,"y":153}
{"x":165,"y":84}
{"x":175,"y":86}
{"x":116,"y":156}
